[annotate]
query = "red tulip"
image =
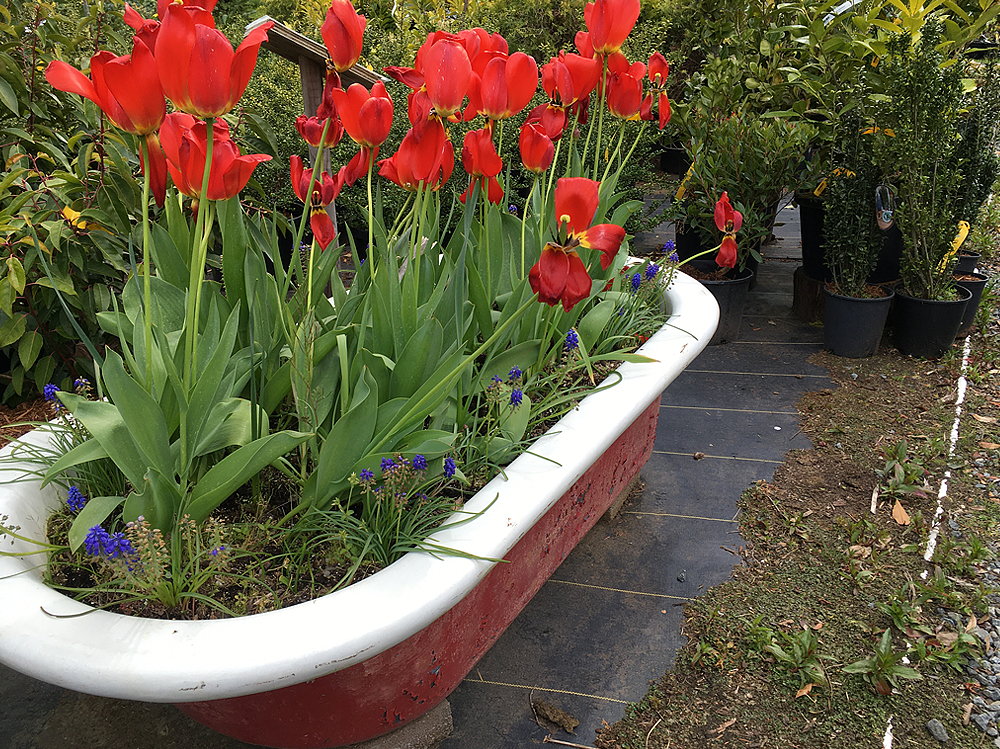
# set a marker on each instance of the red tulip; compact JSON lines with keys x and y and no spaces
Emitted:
{"x":570,"y":78}
{"x":185,"y":144}
{"x":127,"y":89}
{"x":505,"y":86}
{"x":367,"y":118}
{"x":311,"y":128}
{"x":625,"y":94}
{"x":367,"y":115}
{"x":537,"y":150}
{"x":560,"y":274}
{"x":343,"y":33}
{"x":447,"y":75}
{"x":659,"y":69}
{"x":199,"y":71}
{"x":550,"y":117}
{"x":728,"y":220}
{"x":481,"y":161}
{"x":610,"y":22}
{"x":325,"y":191}
{"x":425,"y":156}
{"x":146,"y":29}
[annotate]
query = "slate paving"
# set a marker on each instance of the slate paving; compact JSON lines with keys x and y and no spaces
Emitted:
{"x":608,"y":622}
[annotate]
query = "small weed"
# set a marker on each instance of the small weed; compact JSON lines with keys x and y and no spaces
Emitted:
{"x":939,"y":588}
{"x":902,"y":474}
{"x":883,"y":669}
{"x":904,"y":614}
{"x":798,"y":655}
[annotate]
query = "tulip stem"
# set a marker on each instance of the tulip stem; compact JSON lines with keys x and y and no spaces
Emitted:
{"x":371,"y":210}
{"x":618,"y":148}
{"x":524,"y":220}
{"x":146,"y":283}
{"x":202,"y":228}
{"x":600,"y":116}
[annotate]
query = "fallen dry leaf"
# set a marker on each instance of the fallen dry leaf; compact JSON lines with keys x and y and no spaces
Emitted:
{"x":804,"y":691}
{"x":899,"y":514}
{"x":947,"y":639}
{"x":724,"y":726}
{"x":966,"y":713}
{"x":860,"y":552}
{"x":972,"y":623}
{"x":989,"y":445}
{"x":984,"y":419}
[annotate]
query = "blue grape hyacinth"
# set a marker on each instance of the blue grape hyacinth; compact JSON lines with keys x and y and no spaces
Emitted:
{"x":75,"y":499}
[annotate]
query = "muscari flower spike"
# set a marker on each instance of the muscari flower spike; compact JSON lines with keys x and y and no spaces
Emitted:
{"x":95,"y":540}
{"x":651,"y":270}
{"x":75,"y":499}
{"x":367,"y":476}
{"x":668,"y":246}
{"x":449,"y":467}
{"x":419,"y":463}
{"x":116,"y":545}
{"x":572,"y":340}
{"x":636,"y":281}
{"x":514,"y":374}
{"x":387,"y":465}
{"x":49,"y":391}
{"x":515,"y":397}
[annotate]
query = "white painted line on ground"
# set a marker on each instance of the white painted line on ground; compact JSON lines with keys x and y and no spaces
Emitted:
{"x":943,"y":489}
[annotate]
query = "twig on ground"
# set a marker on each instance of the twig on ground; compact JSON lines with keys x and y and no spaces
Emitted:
{"x":550,"y":740}
{"x":651,"y":733}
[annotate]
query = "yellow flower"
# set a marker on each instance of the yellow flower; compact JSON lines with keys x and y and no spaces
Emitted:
{"x":76,"y":222}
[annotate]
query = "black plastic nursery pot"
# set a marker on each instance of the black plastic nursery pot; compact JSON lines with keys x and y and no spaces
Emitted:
{"x":674,"y":160}
{"x":967,"y":262}
{"x":731,"y":294}
{"x":852,"y":327}
{"x":974,"y":282}
{"x":811,"y":215}
{"x":927,"y":327}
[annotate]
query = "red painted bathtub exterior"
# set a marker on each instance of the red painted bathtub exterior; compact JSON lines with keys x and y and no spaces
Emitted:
{"x":382,"y":693}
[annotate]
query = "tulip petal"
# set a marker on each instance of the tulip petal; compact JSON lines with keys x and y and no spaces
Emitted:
{"x":576,"y":200}
{"x":607,"y":238}
{"x":135,"y":83}
{"x":727,"y":252}
{"x":65,"y":77}
{"x":322,"y":227}
{"x":578,"y":283}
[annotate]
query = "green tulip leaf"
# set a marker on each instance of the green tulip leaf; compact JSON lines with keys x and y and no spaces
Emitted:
{"x":95,"y":512}
{"x":230,"y":473}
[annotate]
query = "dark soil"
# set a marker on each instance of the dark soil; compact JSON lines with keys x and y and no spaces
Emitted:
{"x":820,"y":570}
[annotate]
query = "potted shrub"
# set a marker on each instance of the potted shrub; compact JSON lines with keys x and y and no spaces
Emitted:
{"x":241,"y":436}
{"x":980,"y":167}
{"x":855,"y":311}
{"x":916,"y":143}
